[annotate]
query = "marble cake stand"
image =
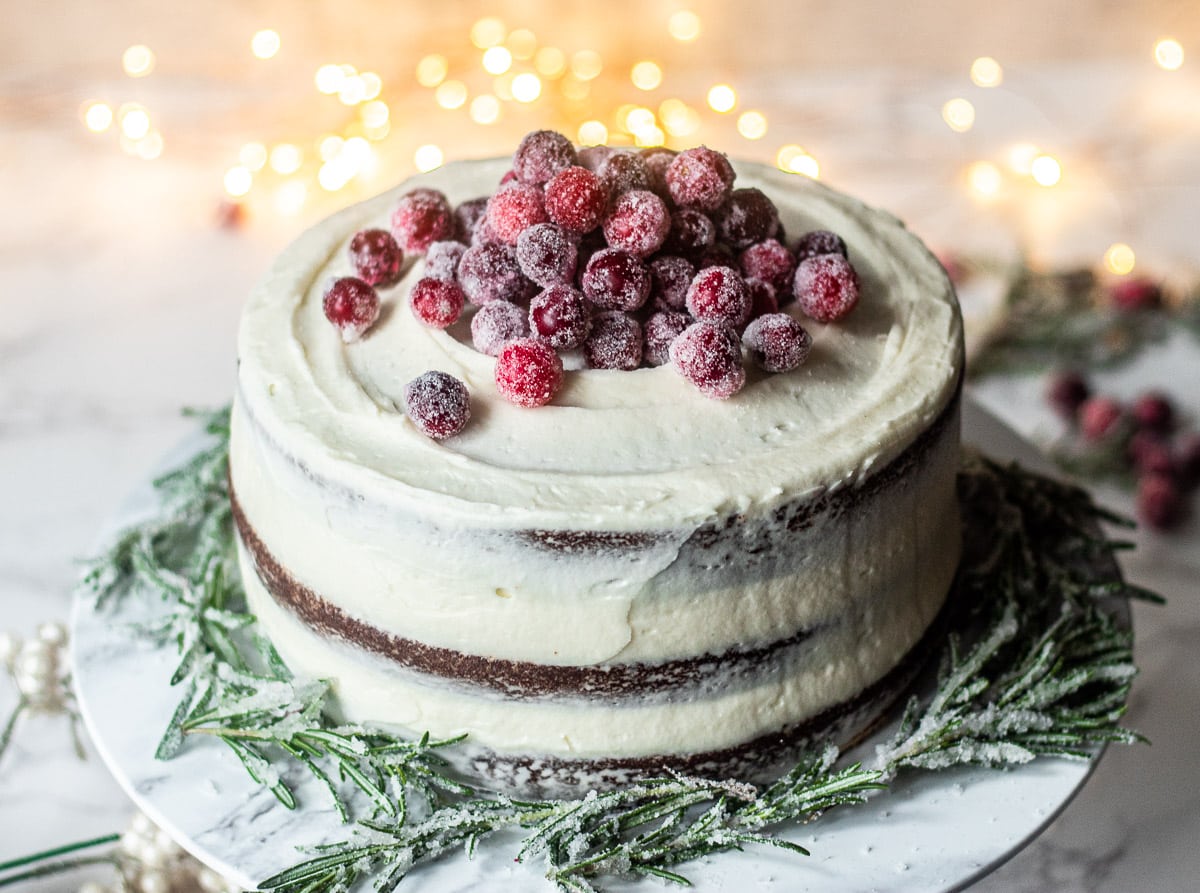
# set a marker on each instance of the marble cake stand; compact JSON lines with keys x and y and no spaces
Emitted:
{"x":933,"y":832}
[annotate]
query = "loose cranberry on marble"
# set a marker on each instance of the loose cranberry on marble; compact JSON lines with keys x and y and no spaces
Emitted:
{"x":818,"y":242}
{"x":467,"y":217}
{"x":495,"y":324}
{"x":826,"y":287}
{"x":490,"y":272}
{"x":710,"y":357}
{"x":616,"y":280}
{"x":560,"y":316}
{"x":542,"y":154}
{"x":376,"y":257}
{"x":776,"y":342}
{"x":436,"y":302}
{"x":528,"y":372}
{"x":692,"y":233}
{"x":622,"y":171}
{"x":657,"y":334}
{"x":770,"y":261}
{"x":576,"y":199}
{"x":442,"y":259}
{"x":670,"y":278}
{"x":763,"y":299}
{"x":438,"y":404}
{"x":1153,"y":411}
{"x":514,"y":208}
{"x":1135,"y":293}
{"x":700,"y":178}
{"x":1099,"y":417}
{"x":423,"y":216}
{"x":638,"y":222}
{"x":615,"y":341}
{"x":748,"y":217}
{"x":352,"y":306}
{"x":719,"y":295}
{"x":1160,"y":501}
{"x":1065,"y":392}
{"x":547,"y":254}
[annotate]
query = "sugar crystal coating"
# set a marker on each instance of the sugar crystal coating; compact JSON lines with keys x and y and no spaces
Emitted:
{"x":622,"y":171}
{"x":708,"y":355}
{"x":495,"y":324}
{"x":467,"y":216}
{"x":615,"y":341}
{"x":657,"y":334}
{"x":489,"y":271}
{"x":670,"y":277}
{"x":748,"y":217}
{"x":692,"y":233}
{"x":528,"y":372}
{"x":514,"y":208}
{"x":376,"y":256}
{"x":770,"y":261}
{"x":616,"y":280}
{"x":700,"y":178}
{"x":352,"y":306}
{"x":540,"y":155}
{"x":560,"y":316}
{"x":719,"y":294}
{"x":592,"y":157}
{"x":422,"y":216}
{"x":826,"y":287}
{"x":547,"y":254}
{"x":818,"y":242}
{"x":657,"y":159}
{"x":438,"y":404}
{"x":576,"y":199}
{"x":441,"y":259}
{"x":436,"y":302}
{"x":776,"y":342}
{"x":638,"y":222}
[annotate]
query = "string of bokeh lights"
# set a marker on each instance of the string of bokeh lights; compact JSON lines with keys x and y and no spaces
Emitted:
{"x":524,"y":72}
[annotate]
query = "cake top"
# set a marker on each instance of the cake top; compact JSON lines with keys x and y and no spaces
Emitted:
{"x":614,"y":450}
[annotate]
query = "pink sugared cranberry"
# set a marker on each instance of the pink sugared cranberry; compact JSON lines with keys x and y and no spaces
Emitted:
{"x":423,"y":216}
{"x":818,"y":242}
{"x":1159,"y":501}
{"x":560,"y":316}
{"x":436,"y":302}
{"x":576,"y":199}
{"x":490,"y":272}
{"x":638,"y":222}
{"x":528,"y":372}
{"x":547,"y":254}
{"x":592,"y":157}
{"x":514,"y":208}
{"x":762,"y":298}
{"x":692,"y":233}
{"x":495,"y":324}
{"x":542,"y":154}
{"x":657,"y":159}
{"x":748,"y":217}
{"x":826,"y":287}
{"x":376,"y":256}
{"x":720,"y":295}
{"x":441,"y":259}
{"x":622,"y":171}
{"x":709,"y":356}
{"x":1153,"y":411}
{"x":352,"y":306}
{"x":438,"y":404}
{"x":657,"y":334}
{"x":1065,"y":391}
{"x":467,"y":217}
{"x":770,"y":261}
{"x":616,"y":280}
{"x":1134,"y":293}
{"x":670,"y":278}
{"x":700,"y":178}
{"x":1099,"y":417}
{"x":776,"y":342}
{"x":615,"y":341}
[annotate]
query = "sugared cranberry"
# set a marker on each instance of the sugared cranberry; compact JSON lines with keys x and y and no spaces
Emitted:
{"x":622,"y":171}
{"x":762,"y":298}
{"x":1099,"y":417}
{"x":748,"y":217}
{"x":670,"y":278}
{"x":1159,"y":501}
{"x":616,"y":280}
{"x":776,"y":342}
{"x":709,"y":356}
{"x":718,"y":255}
{"x":509,"y":176}
{"x":592,"y":157}
{"x":1131,"y":294}
{"x":637,"y":222}
{"x":770,"y":261}
{"x":495,"y":324}
{"x":436,"y":302}
{"x":560,"y":316}
{"x":513,"y":209}
{"x":700,"y":178}
{"x":467,"y":217}
{"x":1153,"y":411}
{"x":528,"y":372}
{"x":422,"y":217}
{"x":826,"y":287}
{"x":1065,"y":391}
{"x":376,"y":256}
{"x":352,"y":306}
{"x":818,"y":242}
{"x":547,"y":254}
{"x":490,"y":272}
{"x":659,"y":331}
{"x":657,"y":160}
{"x":576,"y":199}
{"x":438,"y":404}
{"x":615,"y":341}
{"x":441,"y":259}
{"x":719,"y":294}
{"x":542,"y":154}
{"x":692,"y":233}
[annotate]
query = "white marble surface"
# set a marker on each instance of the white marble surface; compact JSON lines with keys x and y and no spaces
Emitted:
{"x":118,"y":304}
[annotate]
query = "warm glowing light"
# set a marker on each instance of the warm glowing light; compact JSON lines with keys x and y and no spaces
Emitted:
{"x":752,"y":125}
{"x":377,"y":131}
{"x":959,"y":115}
{"x":502,"y":87}
{"x":485,"y":109}
{"x":721,"y":98}
{"x":357,"y":152}
{"x":238,"y":181}
{"x":1168,"y":54}
{"x":353,"y":90}
{"x":253,"y":156}
{"x":1046,"y":170}
{"x":97,"y":116}
{"x":497,"y":60}
{"x":286,"y":158}
{"x":550,"y":62}
{"x":1120,"y":259}
{"x":678,"y":118}
{"x":637,"y":118}
{"x":795,"y":160}
{"x":329,"y":78}
{"x":985,"y":178}
{"x":374,"y":114}
{"x":648,"y":137}
{"x":523,"y":43}
{"x":432,"y":70}
{"x":149,"y":147}
{"x":427,"y":157}
{"x":526,"y":87}
{"x":586,"y":64}
{"x":646,"y":75}
{"x":330,"y":147}
{"x":138,"y":61}
{"x":451,"y":94}
{"x":334,"y":174}
{"x":1020,"y":158}
{"x":135,"y":121}
{"x":684,"y":25}
{"x":372,"y":84}
{"x":290,"y":197}
{"x":487,"y":32}
{"x":264,"y":44}
{"x":592,"y":133}
{"x":574,"y":89}
{"x":986,"y":72}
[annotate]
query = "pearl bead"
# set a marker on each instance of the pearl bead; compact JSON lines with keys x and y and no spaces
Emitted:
{"x":10,"y":644}
{"x":33,"y":663}
{"x":131,"y":843}
{"x":154,"y":882}
{"x":93,"y":887}
{"x":33,"y":686}
{"x":166,"y":844}
{"x":210,"y":881}
{"x":53,"y":634}
{"x":142,"y":825}
{"x":37,"y":647}
{"x":150,"y":855}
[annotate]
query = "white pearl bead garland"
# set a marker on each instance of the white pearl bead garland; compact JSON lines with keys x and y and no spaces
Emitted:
{"x":152,"y":862}
{"x":36,"y":666}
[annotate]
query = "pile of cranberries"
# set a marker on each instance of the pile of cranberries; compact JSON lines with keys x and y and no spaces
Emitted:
{"x":632,"y":258}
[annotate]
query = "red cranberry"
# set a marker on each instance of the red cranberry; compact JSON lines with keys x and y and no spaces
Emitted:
{"x":719,"y":294}
{"x":592,"y":157}
{"x":616,"y":280}
{"x":657,"y":160}
{"x":423,"y":216}
{"x":1065,"y":392}
{"x":495,"y":324}
{"x":1099,"y":417}
{"x":638,"y":222}
{"x":1151,"y":455}
{"x":514,"y":208}
{"x":770,"y":261}
{"x":560,"y":316}
{"x":762,"y":298}
{"x":528,"y":372}
{"x":818,"y":242}
{"x":490,"y":272}
{"x":1159,"y":501}
{"x":826,"y":287}
{"x":540,"y":155}
{"x":352,"y":306}
{"x":615,"y":341}
{"x":376,"y":257}
{"x":700,"y":178}
{"x":547,"y":254}
{"x":719,"y":255}
{"x":438,"y":404}
{"x":670,"y":278}
{"x":1131,"y":294}
{"x":467,"y":217}
{"x":777,"y":343}
{"x":1153,"y":411}
{"x":441,"y":260}
{"x":576,"y":199}
{"x":692,"y":233}
{"x":622,"y":171}
{"x":709,"y":356}
{"x":437,"y":302}
{"x":748,"y":217}
{"x":659,"y":331}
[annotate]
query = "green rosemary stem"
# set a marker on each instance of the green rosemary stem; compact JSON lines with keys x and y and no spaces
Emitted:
{"x":7,"y":732}
{"x":58,"y":867}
